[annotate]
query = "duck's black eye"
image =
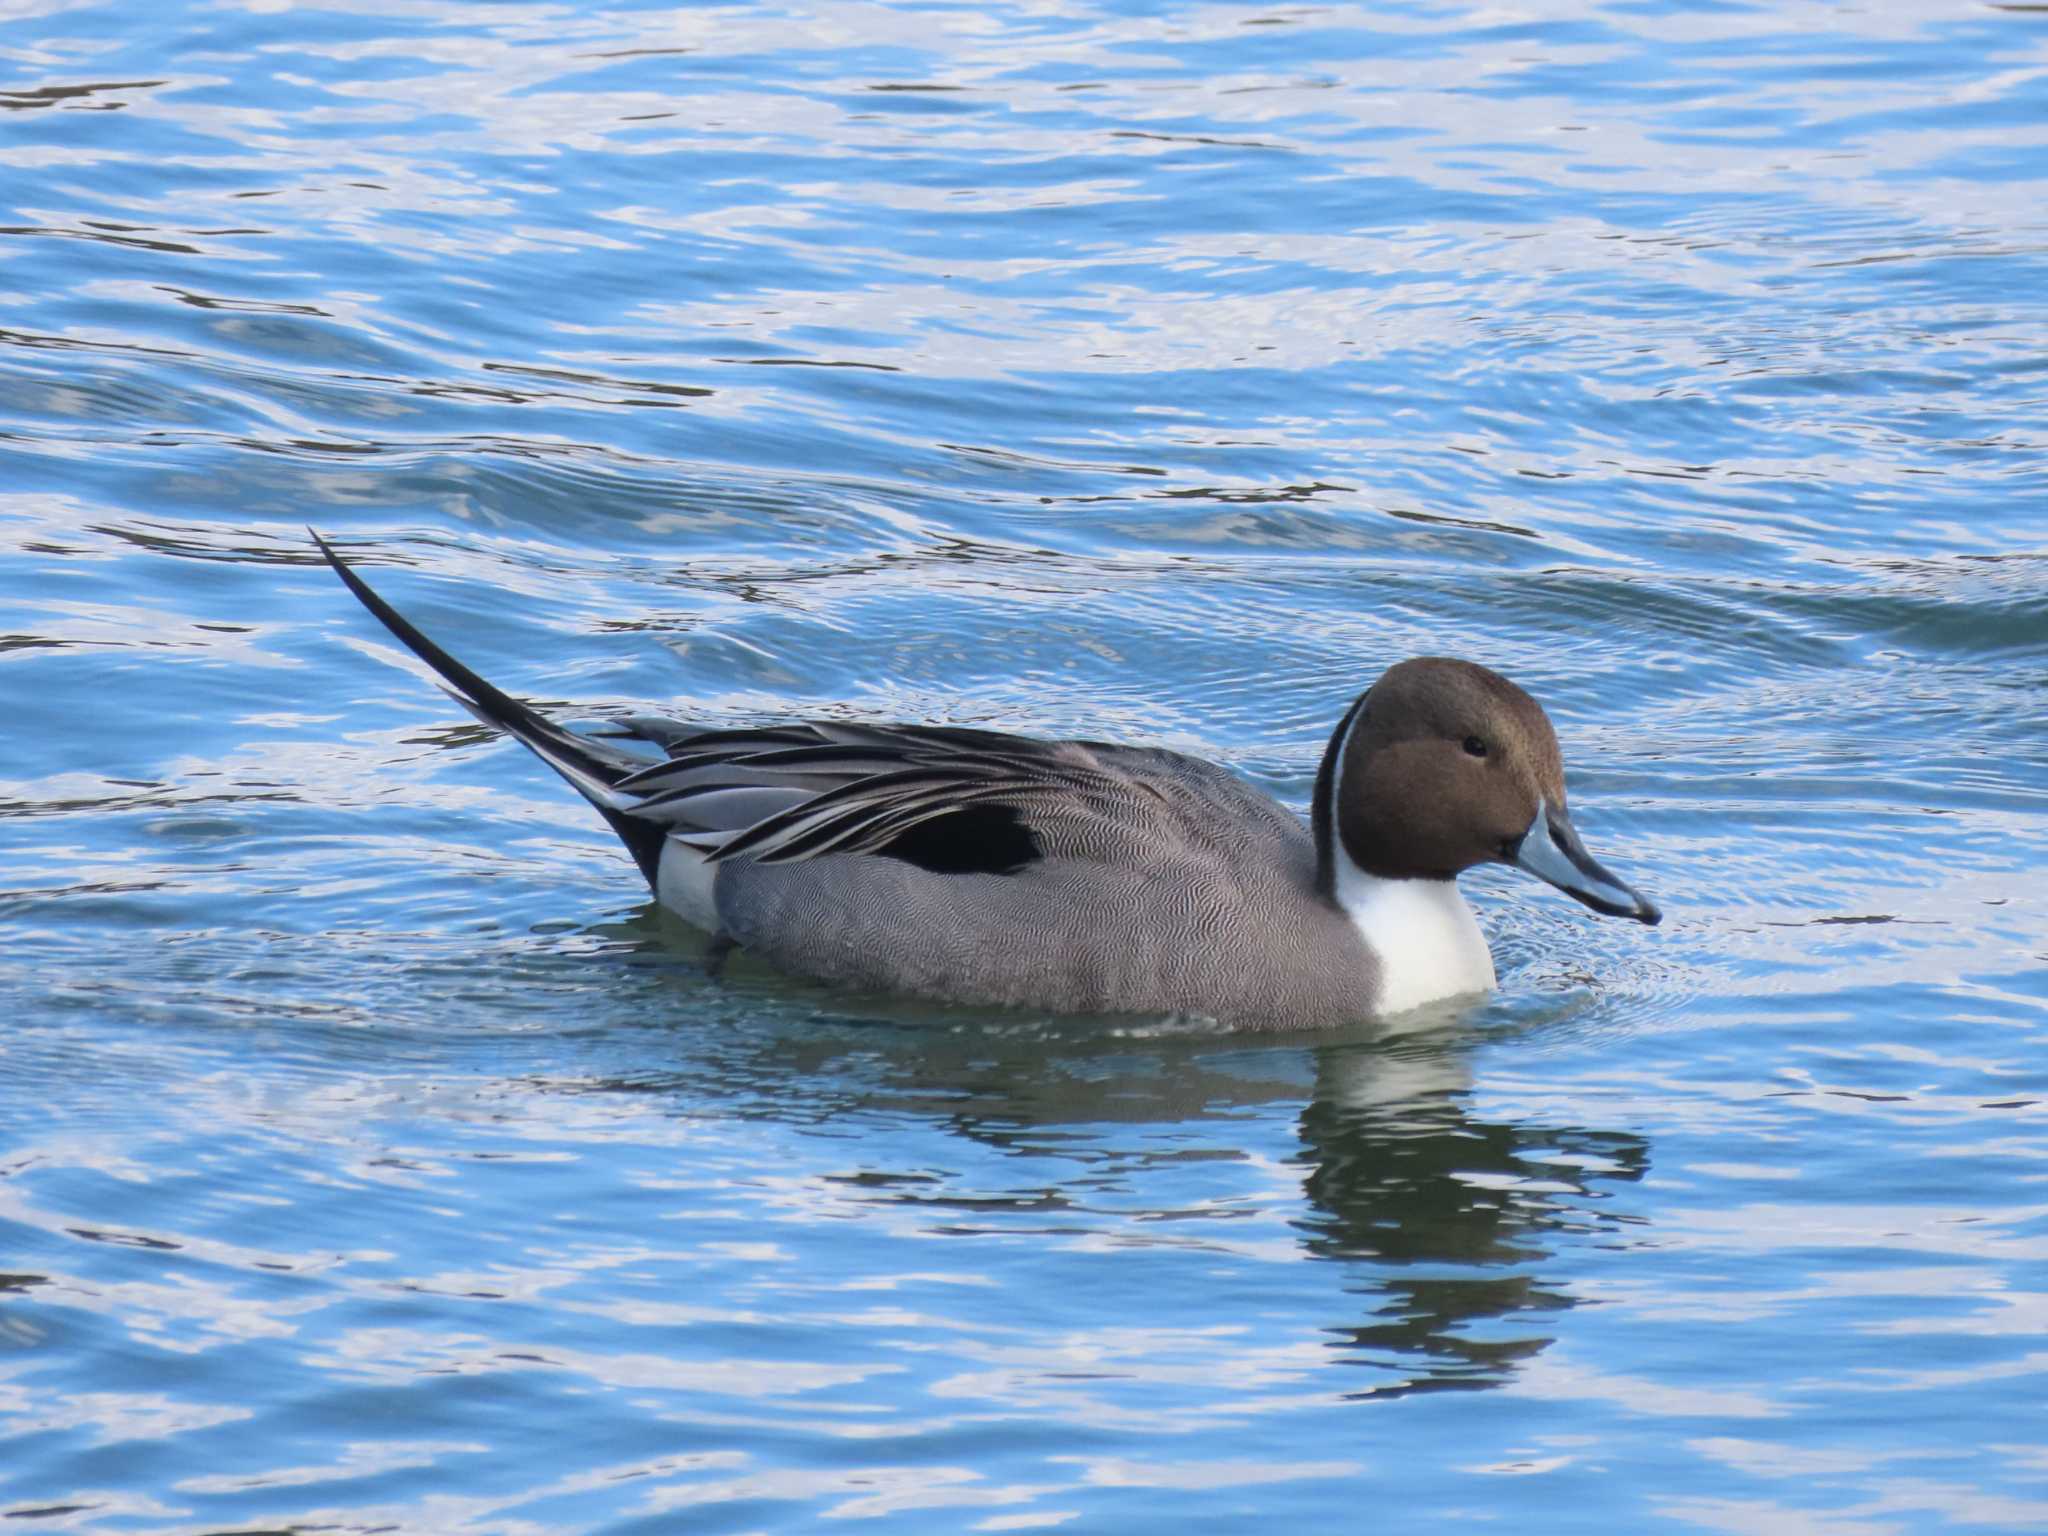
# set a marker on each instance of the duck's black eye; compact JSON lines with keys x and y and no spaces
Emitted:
{"x":1475,"y":746}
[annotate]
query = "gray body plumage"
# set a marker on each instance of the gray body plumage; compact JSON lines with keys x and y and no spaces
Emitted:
{"x":1157,"y":883}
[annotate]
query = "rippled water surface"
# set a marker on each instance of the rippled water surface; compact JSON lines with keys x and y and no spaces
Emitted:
{"x":373,"y":1156}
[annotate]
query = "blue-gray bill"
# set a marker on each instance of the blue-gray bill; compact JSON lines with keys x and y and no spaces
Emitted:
{"x":1551,"y":851}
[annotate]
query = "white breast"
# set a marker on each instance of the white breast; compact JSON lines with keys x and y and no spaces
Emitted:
{"x":1427,"y":940}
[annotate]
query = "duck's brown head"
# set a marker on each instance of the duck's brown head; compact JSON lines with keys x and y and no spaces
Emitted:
{"x":1444,"y":764}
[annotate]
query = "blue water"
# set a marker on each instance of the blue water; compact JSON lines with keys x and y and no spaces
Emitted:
{"x":373,"y":1157}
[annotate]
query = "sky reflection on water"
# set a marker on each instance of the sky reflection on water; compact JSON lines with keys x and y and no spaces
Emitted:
{"x":371,"y":1156}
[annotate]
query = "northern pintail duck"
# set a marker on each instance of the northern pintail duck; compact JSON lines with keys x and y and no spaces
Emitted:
{"x":973,"y":866}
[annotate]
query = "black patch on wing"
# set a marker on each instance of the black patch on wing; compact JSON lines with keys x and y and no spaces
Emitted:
{"x":980,"y":840}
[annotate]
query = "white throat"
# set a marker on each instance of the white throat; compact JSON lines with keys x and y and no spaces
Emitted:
{"x":1425,"y":938}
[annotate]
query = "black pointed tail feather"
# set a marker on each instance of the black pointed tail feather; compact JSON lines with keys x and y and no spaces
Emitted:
{"x":590,"y":766}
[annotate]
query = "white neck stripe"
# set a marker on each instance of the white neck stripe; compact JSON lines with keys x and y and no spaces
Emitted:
{"x":1340,"y":860}
{"x":1422,"y":933}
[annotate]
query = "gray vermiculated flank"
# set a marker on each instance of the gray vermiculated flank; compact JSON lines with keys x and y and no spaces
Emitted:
{"x":1183,"y":891}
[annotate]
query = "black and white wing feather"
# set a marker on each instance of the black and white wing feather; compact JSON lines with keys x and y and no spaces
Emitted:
{"x":948,"y":798}
{"x":785,"y":793}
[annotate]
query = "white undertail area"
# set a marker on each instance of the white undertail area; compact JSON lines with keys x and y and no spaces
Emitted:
{"x":685,"y":885}
{"x":1427,"y":940}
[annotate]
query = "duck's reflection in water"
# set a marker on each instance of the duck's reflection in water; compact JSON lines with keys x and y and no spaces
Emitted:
{"x":1446,"y":1215}
{"x":1441,"y":1219}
